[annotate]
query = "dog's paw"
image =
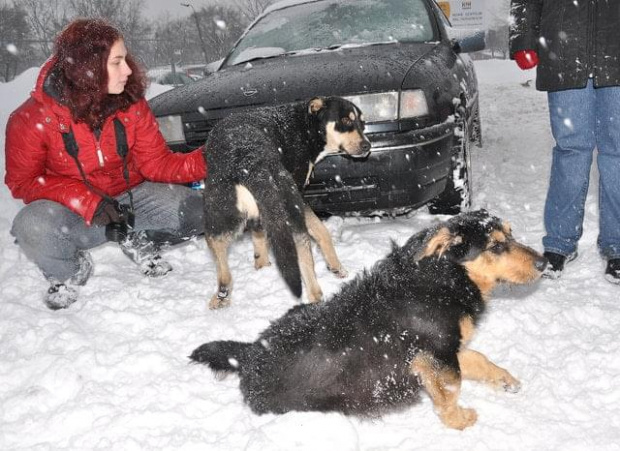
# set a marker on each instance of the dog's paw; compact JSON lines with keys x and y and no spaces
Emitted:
{"x":218,"y":302}
{"x":459,"y":418}
{"x":260,"y":261}
{"x":505,"y":381}
{"x":341,"y":273}
{"x":511,"y":385}
{"x":315,"y":298}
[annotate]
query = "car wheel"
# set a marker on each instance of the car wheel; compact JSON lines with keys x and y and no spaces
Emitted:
{"x":456,"y":197}
{"x":476,"y":133}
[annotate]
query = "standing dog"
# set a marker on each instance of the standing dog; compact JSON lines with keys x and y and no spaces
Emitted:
{"x":258,"y":162}
{"x":398,"y":328}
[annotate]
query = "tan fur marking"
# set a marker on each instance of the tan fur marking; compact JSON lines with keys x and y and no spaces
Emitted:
{"x":443,"y":386}
{"x":315,"y":105}
{"x":498,"y":236}
{"x":350,"y":142}
{"x":467,"y":330}
{"x":306,"y":267}
{"x":507,"y":228}
{"x":478,"y":272}
{"x":515,"y":265}
{"x":320,"y":234}
{"x":219,"y":246}
{"x":475,"y":366}
{"x":438,"y":244}
{"x":261,"y":249}
{"x":246,"y":203}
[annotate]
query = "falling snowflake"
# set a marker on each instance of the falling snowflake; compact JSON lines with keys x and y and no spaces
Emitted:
{"x":233,"y":362}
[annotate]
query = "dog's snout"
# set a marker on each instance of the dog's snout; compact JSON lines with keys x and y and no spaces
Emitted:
{"x":363,"y":150}
{"x":365,"y":147}
{"x":541,"y":263}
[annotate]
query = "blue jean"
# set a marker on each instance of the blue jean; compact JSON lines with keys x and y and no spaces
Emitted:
{"x":582,"y":120}
{"x":52,"y":236}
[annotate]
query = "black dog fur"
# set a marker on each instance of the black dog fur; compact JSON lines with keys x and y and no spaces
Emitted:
{"x":258,"y":162}
{"x":395,"y":329}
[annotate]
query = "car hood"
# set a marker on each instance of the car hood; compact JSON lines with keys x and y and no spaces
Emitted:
{"x":298,"y":77}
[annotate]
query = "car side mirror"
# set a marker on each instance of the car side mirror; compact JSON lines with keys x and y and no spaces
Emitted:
{"x":213,"y":67}
{"x":467,"y":40}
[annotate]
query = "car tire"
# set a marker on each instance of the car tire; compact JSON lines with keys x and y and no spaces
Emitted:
{"x":456,"y":197}
{"x":476,"y":127}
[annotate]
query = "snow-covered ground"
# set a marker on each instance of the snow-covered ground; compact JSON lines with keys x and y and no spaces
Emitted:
{"x":112,"y":373}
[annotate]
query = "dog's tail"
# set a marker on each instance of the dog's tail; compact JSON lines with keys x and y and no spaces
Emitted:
{"x":221,"y":356}
{"x":282,"y":211}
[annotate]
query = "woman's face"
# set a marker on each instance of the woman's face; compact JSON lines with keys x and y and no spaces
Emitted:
{"x":118,"y":70}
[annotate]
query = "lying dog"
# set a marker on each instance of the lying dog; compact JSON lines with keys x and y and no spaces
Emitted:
{"x":400,"y":327}
{"x":258,"y":162}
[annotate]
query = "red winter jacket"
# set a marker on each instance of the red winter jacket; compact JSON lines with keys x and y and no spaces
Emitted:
{"x":39,"y":167}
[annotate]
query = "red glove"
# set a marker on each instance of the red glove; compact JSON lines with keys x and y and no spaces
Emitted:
{"x":526,"y":59}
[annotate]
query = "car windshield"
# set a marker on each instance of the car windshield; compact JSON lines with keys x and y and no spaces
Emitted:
{"x":329,"y":24}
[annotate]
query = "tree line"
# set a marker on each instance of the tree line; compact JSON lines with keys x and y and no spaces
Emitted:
{"x":28,"y":28}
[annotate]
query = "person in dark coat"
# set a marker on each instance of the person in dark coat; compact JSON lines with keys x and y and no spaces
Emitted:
{"x":576,"y":50}
{"x":86,"y":155}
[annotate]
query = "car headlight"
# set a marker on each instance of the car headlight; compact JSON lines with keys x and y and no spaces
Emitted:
{"x":413,"y":104}
{"x":172,"y":129}
{"x":385,"y":106}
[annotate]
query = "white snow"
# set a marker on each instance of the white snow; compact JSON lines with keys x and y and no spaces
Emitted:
{"x":111,"y":372}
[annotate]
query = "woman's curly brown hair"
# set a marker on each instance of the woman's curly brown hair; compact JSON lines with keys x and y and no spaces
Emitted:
{"x":80,"y":73}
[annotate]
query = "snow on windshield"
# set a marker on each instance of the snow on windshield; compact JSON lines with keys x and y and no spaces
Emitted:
{"x":326,"y":24}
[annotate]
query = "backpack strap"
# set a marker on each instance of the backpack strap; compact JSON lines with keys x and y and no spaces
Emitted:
{"x":72,"y":149}
{"x":122,"y":148}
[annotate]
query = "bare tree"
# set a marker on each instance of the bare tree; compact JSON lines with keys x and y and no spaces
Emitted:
{"x":497,"y":41}
{"x":126,"y":15}
{"x":204,"y":37}
{"x":221,"y":27}
{"x":165,"y":42}
{"x":174,"y":44}
{"x":45,"y":18}
{"x":14,"y":47}
{"x":250,"y":9}
{"x":499,"y":21}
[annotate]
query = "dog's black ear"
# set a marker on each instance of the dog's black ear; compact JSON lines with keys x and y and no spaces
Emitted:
{"x":315,"y":105}
{"x":438,"y":244}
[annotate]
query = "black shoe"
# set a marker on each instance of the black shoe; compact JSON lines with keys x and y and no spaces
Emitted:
{"x":60,"y":295}
{"x":145,"y":253}
{"x":556,"y":264}
{"x":612,"y":272}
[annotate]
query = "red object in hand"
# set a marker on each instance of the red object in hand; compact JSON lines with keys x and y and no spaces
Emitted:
{"x":526,"y":59}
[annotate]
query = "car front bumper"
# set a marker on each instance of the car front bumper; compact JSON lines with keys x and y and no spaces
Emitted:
{"x":404,"y":170}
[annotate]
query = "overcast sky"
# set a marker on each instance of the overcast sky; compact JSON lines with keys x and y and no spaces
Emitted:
{"x":155,"y":8}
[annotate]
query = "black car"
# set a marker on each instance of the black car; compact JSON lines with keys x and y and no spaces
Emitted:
{"x":398,"y":60}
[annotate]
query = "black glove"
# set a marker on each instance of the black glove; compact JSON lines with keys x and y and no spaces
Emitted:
{"x":108,"y":211}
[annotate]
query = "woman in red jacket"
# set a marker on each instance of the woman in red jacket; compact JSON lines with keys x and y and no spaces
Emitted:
{"x":86,"y":155}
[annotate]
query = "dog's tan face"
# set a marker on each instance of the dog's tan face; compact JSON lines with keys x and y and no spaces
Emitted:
{"x":484,"y":245}
{"x":505,"y":260}
{"x":343,"y":126}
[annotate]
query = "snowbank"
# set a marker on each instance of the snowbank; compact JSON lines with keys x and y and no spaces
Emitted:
{"x":111,"y":372}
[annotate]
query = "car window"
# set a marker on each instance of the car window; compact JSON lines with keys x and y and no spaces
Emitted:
{"x":333,"y":23}
{"x":176,"y":79}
